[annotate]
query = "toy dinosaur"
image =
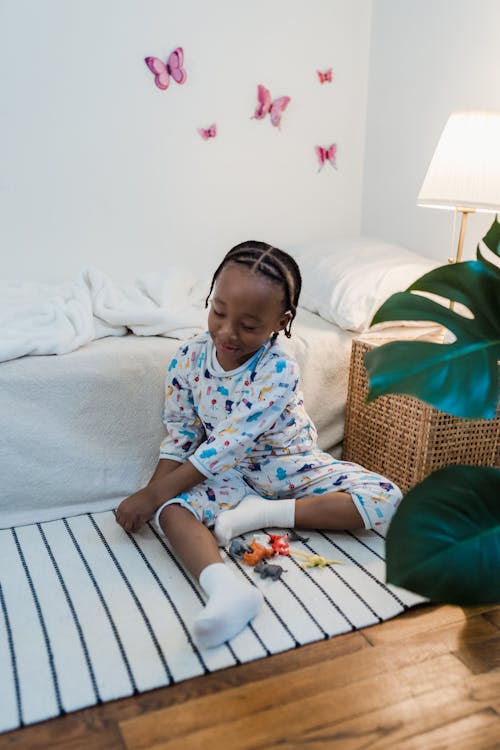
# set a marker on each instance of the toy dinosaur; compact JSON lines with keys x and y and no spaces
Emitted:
{"x":313,"y":560}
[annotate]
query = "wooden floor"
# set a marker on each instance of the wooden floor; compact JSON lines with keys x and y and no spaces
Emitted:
{"x":425,"y":680}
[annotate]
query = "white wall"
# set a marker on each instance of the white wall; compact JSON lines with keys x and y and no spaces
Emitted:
{"x":98,"y":166}
{"x":428,"y":58}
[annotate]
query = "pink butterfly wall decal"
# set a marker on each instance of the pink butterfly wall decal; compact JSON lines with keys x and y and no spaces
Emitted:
{"x":265,"y":106}
{"x":173,"y":67}
{"x":326,"y":154}
{"x":325,"y":76}
{"x":207,"y":133}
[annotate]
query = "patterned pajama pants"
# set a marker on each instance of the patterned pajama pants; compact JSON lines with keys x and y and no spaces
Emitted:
{"x":292,"y":476}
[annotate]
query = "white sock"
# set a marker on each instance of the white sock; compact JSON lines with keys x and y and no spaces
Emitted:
{"x":253,"y":512}
{"x":231,"y":605}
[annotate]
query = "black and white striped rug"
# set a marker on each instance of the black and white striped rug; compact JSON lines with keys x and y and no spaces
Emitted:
{"x":89,"y":614}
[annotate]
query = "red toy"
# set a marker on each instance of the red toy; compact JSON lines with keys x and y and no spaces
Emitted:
{"x":279,"y":544}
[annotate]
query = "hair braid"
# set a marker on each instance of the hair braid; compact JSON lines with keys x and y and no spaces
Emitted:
{"x":273,"y":263}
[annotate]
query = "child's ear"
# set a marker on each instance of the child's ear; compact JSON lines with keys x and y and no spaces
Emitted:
{"x":284,"y":320}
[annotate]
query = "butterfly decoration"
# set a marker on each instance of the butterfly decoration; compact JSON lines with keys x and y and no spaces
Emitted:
{"x":173,"y":67}
{"x":207,"y":133}
{"x":325,"y":76}
{"x":265,"y":106}
{"x":326,"y":154}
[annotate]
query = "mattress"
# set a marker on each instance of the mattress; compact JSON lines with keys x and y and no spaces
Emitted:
{"x":81,"y":431}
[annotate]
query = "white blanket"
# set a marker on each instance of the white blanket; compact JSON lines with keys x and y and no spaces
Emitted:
{"x":81,"y":431}
{"x":55,"y":319}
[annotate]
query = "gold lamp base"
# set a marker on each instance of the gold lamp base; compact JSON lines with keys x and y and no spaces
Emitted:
{"x":463,"y":224}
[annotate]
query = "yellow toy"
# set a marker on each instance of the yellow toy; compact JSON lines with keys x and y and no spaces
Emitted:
{"x":314,"y":561}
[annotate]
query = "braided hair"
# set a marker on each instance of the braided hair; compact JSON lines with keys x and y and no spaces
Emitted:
{"x":273,"y":263}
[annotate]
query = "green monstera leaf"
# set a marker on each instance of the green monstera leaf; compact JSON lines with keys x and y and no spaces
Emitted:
{"x":460,"y":378}
{"x":444,"y":540}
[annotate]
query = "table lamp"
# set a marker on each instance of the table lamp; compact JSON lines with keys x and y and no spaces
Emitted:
{"x":464,"y":173}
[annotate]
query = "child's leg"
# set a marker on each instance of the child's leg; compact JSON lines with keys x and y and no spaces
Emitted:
{"x":253,"y":513}
{"x":333,"y":496}
{"x":194,"y":544}
{"x":333,"y":511}
{"x":232,"y":603}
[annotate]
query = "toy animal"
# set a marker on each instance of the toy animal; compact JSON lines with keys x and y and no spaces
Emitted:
{"x":258,"y":553}
{"x":314,"y":561}
{"x":293,"y":536}
{"x":269,"y":570}
{"x":279,"y":544}
{"x":237,"y":549}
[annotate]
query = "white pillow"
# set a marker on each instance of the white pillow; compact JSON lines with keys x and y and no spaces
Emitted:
{"x":347,"y":279}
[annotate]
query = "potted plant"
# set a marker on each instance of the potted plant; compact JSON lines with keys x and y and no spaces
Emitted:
{"x":444,"y":539}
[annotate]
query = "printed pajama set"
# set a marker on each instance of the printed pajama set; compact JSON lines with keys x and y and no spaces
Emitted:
{"x":247,"y":431}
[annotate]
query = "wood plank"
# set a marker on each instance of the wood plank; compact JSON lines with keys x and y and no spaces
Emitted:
{"x":478,"y":731}
{"x":252,"y":717}
{"x":99,"y":723}
{"x":493,"y":615}
{"x":486,"y":687}
{"x":483,"y":656}
{"x":433,"y":630}
{"x":419,"y":722}
{"x":353,"y":667}
{"x":421,"y":619}
{"x":71,"y":732}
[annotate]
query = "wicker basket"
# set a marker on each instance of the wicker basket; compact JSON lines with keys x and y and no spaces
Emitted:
{"x":405,"y":439}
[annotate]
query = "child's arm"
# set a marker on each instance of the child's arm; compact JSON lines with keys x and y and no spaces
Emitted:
{"x":184,"y":429}
{"x":185,"y":432}
{"x":164,"y":467}
{"x":169,"y":480}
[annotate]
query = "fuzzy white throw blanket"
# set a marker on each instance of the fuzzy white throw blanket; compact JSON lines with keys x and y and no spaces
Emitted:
{"x":55,"y":319}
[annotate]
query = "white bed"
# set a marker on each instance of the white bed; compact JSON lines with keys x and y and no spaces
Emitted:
{"x":80,"y":431}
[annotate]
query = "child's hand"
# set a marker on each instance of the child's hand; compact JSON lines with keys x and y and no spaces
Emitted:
{"x":136,"y":510}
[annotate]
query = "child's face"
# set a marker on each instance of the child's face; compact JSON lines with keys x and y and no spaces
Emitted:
{"x":245,"y":309}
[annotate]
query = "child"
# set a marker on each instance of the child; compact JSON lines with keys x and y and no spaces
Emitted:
{"x":240,"y":452}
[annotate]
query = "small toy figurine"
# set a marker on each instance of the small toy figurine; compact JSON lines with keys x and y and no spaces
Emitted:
{"x":259,"y":552}
{"x":293,"y":536}
{"x":267,"y":570}
{"x":279,"y":544}
{"x":314,"y":561}
{"x":238,"y":548}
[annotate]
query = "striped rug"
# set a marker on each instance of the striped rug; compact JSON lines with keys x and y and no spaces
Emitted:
{"x":89,"y":614}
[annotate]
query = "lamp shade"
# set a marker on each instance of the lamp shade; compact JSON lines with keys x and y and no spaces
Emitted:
{"x":465,"y":169}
